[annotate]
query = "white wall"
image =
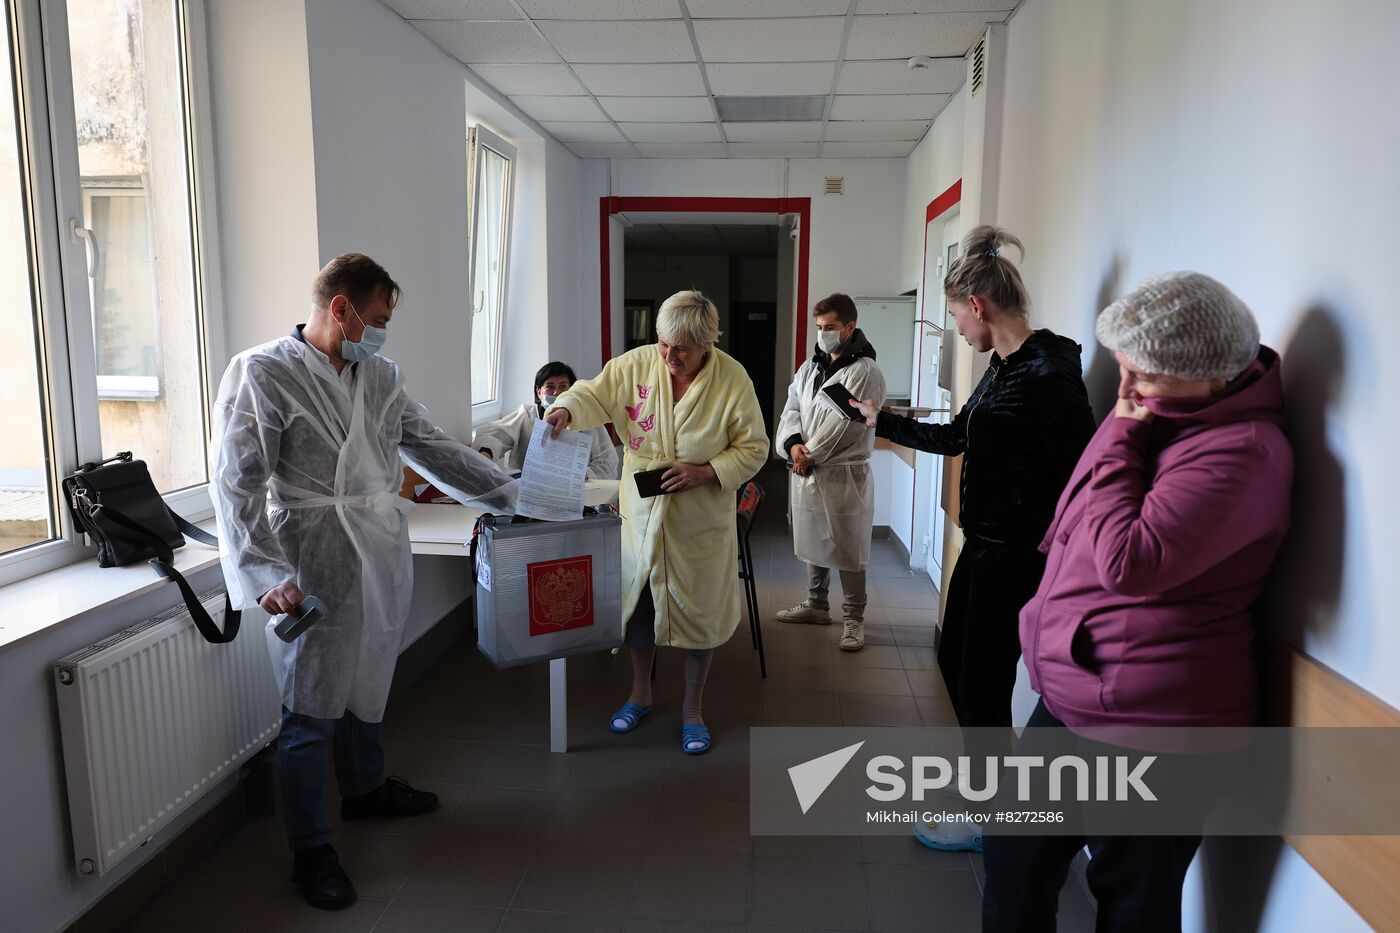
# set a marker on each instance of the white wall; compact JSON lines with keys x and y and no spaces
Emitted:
{"x":1141,"y":137}
{"x":263,"y":151}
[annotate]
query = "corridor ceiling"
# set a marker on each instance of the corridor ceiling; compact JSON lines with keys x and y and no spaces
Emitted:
{"x":647,"y":78}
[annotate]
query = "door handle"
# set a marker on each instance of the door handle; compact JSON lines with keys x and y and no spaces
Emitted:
{"x":90,"y":245}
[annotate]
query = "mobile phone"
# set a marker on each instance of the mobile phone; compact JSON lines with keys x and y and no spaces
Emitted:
{"x":843,"y":398}
{"x":649,"y":482}
{"x":305,"y":614}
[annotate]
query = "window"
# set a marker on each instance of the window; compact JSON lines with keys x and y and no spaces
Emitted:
{"x":489,"y":162}
{"x":102,"y":301}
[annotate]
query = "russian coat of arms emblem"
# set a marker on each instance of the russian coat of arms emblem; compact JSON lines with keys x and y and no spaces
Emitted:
{"x":561,"y":595}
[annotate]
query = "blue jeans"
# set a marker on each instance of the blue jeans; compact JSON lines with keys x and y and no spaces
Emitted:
{"x":303,"y":758}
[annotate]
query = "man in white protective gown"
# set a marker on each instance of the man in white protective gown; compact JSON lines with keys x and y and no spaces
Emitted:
{"x":507,"y":439}
{"x":308,"y":435}
{"x":832,"y":498}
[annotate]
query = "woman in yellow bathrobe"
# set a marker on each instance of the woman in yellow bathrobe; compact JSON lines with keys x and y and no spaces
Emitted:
{"x":687,"y":406}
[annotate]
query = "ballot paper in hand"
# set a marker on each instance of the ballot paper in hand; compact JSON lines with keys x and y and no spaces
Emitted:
{"x":551,"y":485}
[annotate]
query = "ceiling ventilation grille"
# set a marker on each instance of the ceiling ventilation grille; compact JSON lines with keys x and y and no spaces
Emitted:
{"x":769,"y":109}
{"x":979,"y":63}
{"x":835,"y":185}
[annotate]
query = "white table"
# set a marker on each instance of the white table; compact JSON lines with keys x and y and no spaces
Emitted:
{"x":446,"y":530}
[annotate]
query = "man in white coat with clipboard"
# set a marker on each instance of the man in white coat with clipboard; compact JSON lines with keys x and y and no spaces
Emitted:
{"x":832,"y":497}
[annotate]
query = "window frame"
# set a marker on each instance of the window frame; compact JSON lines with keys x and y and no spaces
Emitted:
{"x":484,"y":138}
{"x":53,"y":199}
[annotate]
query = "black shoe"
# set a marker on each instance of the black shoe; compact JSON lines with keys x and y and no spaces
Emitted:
{"x":394,"y":798}
{"x":322,"y":881}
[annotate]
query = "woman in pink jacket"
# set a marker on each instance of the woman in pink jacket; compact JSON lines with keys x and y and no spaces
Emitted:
{"x":1159,"y":547}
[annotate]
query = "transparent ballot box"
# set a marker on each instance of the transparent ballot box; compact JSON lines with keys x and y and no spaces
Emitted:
{"x":548,"y":589}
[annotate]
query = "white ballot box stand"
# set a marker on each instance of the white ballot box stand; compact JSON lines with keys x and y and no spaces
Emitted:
{"x":446,"y":530}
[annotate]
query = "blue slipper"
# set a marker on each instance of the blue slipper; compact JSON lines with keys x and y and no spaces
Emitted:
{"x":630,"y":715}
{"x":695,"y":738}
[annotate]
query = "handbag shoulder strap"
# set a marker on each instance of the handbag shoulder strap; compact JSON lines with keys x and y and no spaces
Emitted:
{"x":164,"y":564}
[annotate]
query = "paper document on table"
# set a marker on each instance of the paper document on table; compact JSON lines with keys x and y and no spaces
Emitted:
{"x":551,"y":485}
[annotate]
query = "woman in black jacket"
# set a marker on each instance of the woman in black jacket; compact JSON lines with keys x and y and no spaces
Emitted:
{"x":1020,"y":434}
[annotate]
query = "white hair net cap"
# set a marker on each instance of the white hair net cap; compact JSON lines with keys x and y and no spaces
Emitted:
{"x":1182,"y":324}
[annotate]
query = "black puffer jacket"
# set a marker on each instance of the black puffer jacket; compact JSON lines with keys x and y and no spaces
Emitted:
{"x":1022,"y":432}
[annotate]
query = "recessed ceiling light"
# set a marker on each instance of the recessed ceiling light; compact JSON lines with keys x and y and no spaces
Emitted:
{"x":769,"y":109}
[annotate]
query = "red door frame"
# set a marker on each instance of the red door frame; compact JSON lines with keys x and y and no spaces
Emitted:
{"x":802,"y":207}
{"x":936,"y":208}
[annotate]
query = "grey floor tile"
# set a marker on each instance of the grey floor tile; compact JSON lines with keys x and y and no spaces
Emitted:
{"x":878,"y":656}
{"x":408,"y":916}
{"x":618,"y":770}
{"x":643,"y":925}
{"x":809,"y":892}
{"x":801,"y":706}
{"x":288,"y":912}
{"x":878,"y":633}
{"x":825,"y":848}
{"x":926,"y":683}
{"x":864,"y":709}
{"x":442,"y":762}
{"x":918,"y":657}
{"x":197,"y":907}
{"x":509,"y":725}
{"x":716,"y":826}
{"x":693,"y":886}
{"x":909,"y":899}
{"x":611,"y":821}
{"x":936,"y":711}
{"x":254,"y":857}
{"x":784,"y":676}
{"x":807,"y":651}
{"x":508,"y":814}
{"x":720,"y":774}
{"x":518,"y":766}
{"x":903,"y":617}
{"x":882,"y":681}
{"x":379,"y":864}
{"x":537,"y":921}
{"x":468,"y":873}
{"x":579,"y":879}
{"x":904,"y":850}
{"x":914,"y":636}
{"x":917,"y":593}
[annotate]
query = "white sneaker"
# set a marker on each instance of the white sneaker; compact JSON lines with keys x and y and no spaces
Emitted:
{"x":959,"y":836}
{"x":853,"y":635}
{"x":804,"y":612}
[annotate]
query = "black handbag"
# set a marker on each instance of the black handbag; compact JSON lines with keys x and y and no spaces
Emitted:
{"x":116,"y":504}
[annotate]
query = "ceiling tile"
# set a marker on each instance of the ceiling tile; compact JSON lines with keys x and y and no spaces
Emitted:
{"x":770,"y":40}
{"x":667,"y":109}
{"x":943,"y":76}
{"x":863,"y":130}
{"x":766,"y":80}
{"x":903,"y":35}
{"x":671,"y":132}
{"x":933,"y":6}
{"x":620,"y":42}
{"x":887,"y":106}
{"x":682,"y":150}
{"x":871,"y":150}
{"x":798,"y":131}
{"x":529,"y":79}
{"x":584,"y":132}
{"x":642,"y":80}
{"x":602,"y":150}
{"x":721,"y":9}
{"x":773,"y":150}
{"x":543,"y":108}
{"x":601,"y":9}
{"x":488,"y":42}
{"x":454,"y":9}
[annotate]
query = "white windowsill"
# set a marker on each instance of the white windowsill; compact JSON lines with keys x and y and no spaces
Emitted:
{"x":59,"y":597}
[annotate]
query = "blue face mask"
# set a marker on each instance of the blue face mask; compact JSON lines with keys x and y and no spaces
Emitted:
{"x":370,"y":342}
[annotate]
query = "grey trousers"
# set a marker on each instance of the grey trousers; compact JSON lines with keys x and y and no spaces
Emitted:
{"x":852,"y":591}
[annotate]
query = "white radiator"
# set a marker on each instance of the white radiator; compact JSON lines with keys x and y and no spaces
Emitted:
{"x":154,"y":717}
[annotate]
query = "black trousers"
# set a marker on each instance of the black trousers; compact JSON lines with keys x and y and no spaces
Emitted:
{"x":1135,"y":879}
{"x":980,"y":642}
